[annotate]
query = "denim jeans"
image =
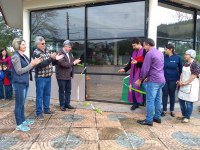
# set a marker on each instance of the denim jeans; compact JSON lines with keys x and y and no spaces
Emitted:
{"x":186,"y":108}
{"x":1,"y":89}
{"x":8,"y":92}
{"x":64,"y":92}
{"x":169,"y":90}
{"x":20,"y":91}
{"x":43,"y":94}
{"x":153,"y":101}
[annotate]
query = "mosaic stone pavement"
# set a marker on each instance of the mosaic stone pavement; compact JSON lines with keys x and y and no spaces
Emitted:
{"x":84,"y":129}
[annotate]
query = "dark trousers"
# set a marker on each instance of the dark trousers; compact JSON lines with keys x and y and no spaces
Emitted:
{"x":8,"y":92}
{"x":169,"y":90}
{"x":64,"y":92}
{"x":1,"y":90}
{"x":20,"y":98}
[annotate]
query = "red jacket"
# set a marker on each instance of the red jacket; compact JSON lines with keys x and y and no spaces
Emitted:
{"x":6,"y":81}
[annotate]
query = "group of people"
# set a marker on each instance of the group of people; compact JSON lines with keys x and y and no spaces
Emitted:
{"x":153,"y":71}
{"x":149,"y":69}
{"x":42,"y":63}
{"x":5,"y":75}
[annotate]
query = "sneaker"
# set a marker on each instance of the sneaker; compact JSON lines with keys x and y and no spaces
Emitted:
{"x":185,"y":120}
{"x":23,"y":128}
{"x":40,"y":117}
{"x":163,"y":113}
{"x":49,"y":112}
{"x":28,"y":122}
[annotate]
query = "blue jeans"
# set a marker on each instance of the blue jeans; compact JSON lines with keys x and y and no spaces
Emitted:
{"x":20,"y":97}
{"x":64,"y":92}
{"x":153,"y":101}
{"x":186,"y":108}
{"x":1,"y":89}
{"x":8,"y":92}
{"x":169,"y":90}
{"x":43,"y":94}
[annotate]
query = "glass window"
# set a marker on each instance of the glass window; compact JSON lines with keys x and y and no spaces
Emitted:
{"x":175,"y":23}
{"x":58,"y":24}
{"x":198,"y":51}
{"x":116,"y":21}
{"x":198,"y":26}
{"x":180,"y":46}
{"x":107,"y":56}
{"x":104,"y":87}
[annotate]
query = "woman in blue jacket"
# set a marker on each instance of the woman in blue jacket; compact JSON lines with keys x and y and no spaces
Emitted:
{"x":20,"y":80}
{"x":172,"y":70}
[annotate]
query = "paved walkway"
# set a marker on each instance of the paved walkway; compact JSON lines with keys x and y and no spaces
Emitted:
{"x":84,"y":129}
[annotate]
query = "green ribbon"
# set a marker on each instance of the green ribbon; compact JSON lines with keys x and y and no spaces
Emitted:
{"x":136,"y":90}
{"x":81,"y":65}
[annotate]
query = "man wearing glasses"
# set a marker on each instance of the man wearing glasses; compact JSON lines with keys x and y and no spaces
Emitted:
{"x":43,"y":73}
{"x":64,"y":74}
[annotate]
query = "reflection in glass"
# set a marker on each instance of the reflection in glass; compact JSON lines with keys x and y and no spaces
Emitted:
{"x":180,"y":46}
{"x":58,"y":24}
{"x":175,"y":22}
{"x":104,"y":87}
{"x":118,"y":20}
{"x":106,"y":56}
{"x":198,"y":26}
{"x":77,"y":50}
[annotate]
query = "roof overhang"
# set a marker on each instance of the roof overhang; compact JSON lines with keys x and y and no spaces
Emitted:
{"x":188,"y":3}
{"x":12,"y":11}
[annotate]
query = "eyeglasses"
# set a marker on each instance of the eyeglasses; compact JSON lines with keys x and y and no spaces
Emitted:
{"x":43,"y":43}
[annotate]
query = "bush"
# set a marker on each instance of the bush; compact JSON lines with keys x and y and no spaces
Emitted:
{"x":198,"y":58}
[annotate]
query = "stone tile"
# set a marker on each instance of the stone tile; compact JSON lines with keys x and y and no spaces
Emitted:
{"x":112,"y":145}
{"x":29,"y":136}
{"x":58,"y":123}
{"x":87,"y":134}
{"x":49,"y":134}
{"x":14,"y":145}
{"x":109,"y":133}
{"x":65,"y":145}
{"x":7,"y":123}
{"x":86,"y":122}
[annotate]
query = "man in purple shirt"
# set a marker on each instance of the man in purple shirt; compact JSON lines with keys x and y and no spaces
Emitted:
{"x":152,"y":69}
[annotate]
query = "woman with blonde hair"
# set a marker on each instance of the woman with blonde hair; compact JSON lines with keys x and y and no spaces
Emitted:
{"x":20,"y":80}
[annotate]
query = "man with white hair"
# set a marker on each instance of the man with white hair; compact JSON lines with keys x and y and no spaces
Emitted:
{"x":189,"y":85}
{"x":64,"y":74}
{"x":43,"y":73}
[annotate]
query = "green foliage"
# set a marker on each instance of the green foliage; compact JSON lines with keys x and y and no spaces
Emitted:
{"x":198,"y":58}
{"x":7,"y":34}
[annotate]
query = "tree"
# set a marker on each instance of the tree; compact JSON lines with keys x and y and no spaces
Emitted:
{"x":7,"y":34}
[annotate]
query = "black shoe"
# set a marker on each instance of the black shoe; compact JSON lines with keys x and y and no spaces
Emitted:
{"x":69,"y":107}
{"x":62,"y":108}
{"x":163,"y":114}
{"x":40,"y":117}
{"x":134,"y":107}
{"x":144,"y":122}
{"x":157,"y":120}
{"x":49,"y":112}
{"x":172,"y":114}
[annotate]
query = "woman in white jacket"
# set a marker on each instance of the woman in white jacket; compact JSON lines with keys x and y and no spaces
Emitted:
{"x":189,"y":85}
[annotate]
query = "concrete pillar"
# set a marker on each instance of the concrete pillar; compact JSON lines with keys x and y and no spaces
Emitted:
{"x":26,"y":30}
{"x":152,"y":25}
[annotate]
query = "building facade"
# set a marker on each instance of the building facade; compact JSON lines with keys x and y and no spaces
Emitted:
{"x":101,"y":32}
